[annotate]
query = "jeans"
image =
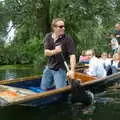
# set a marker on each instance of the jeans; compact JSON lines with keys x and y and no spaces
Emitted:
{"x":51,"y":77}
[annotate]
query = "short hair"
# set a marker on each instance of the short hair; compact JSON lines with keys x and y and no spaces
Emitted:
{"x":55,"y":20}
{"x":90,"y":51}
{"x":114,"y":55}
{"x":104,"y":53}
{"x":117,"y":24}
{"x":113,"y":34}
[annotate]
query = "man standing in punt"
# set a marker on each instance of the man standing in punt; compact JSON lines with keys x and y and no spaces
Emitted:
{"x":57,"y":44}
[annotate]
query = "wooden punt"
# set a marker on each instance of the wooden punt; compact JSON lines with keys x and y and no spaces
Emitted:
{"x":26,"y":91}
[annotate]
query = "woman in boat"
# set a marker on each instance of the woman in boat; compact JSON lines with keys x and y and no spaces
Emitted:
{"x":96,"y":67}
{"x":106,"y":62}
{"x":115,"y":63}
{"x":57,"y":44}
{"x":83,"y":58}
{"x":104,"y":59}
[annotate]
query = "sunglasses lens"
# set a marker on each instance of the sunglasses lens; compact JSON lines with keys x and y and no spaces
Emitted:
{"x":61,"y":26}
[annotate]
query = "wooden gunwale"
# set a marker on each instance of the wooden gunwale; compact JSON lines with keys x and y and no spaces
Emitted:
{"x":19,"y":79}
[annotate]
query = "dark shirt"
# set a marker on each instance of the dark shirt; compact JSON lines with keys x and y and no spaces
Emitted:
{"x":118,"y":38}
{"x":68,"y":48}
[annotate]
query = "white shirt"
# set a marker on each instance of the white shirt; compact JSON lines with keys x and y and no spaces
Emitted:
{"x":96,"y":68}
{"x":115,"y":64}
{"x":106,"y":62}
{"x":114,"y":43}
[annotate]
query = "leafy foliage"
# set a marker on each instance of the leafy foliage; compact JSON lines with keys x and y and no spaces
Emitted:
{"x":88,"y":22}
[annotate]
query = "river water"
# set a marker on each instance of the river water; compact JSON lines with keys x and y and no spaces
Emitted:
{"x":106,"y":106}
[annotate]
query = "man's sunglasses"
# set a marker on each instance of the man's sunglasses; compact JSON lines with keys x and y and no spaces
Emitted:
{"x":61,"y":26}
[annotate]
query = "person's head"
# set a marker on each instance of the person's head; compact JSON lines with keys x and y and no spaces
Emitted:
{"x":109,"y":55}
{"x":116,"y":56}
{"x":90,"y":53}
{"x":117,"y":27}
{"x":112,"y":35}
{"x":57,"y":26}
{"x":104,"y":55}
{"x":83,"y":53}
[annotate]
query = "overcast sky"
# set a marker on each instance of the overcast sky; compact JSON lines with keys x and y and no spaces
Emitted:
{"x":10,"y":35}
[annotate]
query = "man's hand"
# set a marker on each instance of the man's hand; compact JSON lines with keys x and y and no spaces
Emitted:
{"x":71,"y":74}
{"x":58,"y":49}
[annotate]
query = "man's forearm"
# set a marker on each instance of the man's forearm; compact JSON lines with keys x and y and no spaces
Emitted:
{"x":57,"y":50}
{"x":49,"y":52}
{"x":72,"y":62}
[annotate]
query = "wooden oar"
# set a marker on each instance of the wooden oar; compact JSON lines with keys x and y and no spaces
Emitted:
{"x":79,"y":94}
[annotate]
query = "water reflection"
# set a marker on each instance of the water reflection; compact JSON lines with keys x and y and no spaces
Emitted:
{"x":10,"y":74}
{"x":15,"y":73}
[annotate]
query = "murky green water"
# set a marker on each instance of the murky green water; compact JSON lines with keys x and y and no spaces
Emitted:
{"x":18,"y":72}
{"x":106,"y":107}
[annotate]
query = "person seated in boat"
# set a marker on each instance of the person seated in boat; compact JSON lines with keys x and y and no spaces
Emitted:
{"x":57,"y":44}
{"x":115,"y":63}
{"x":96,"y":67}
{"x":105,"y":60}
{"x":83,"y":58}
{"x":109,"y":55}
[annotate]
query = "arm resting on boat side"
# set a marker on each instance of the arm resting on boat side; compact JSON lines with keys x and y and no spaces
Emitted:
{"x":72,"y":65}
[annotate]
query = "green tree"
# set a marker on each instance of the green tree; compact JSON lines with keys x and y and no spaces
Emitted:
{"x":87,"y":21}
